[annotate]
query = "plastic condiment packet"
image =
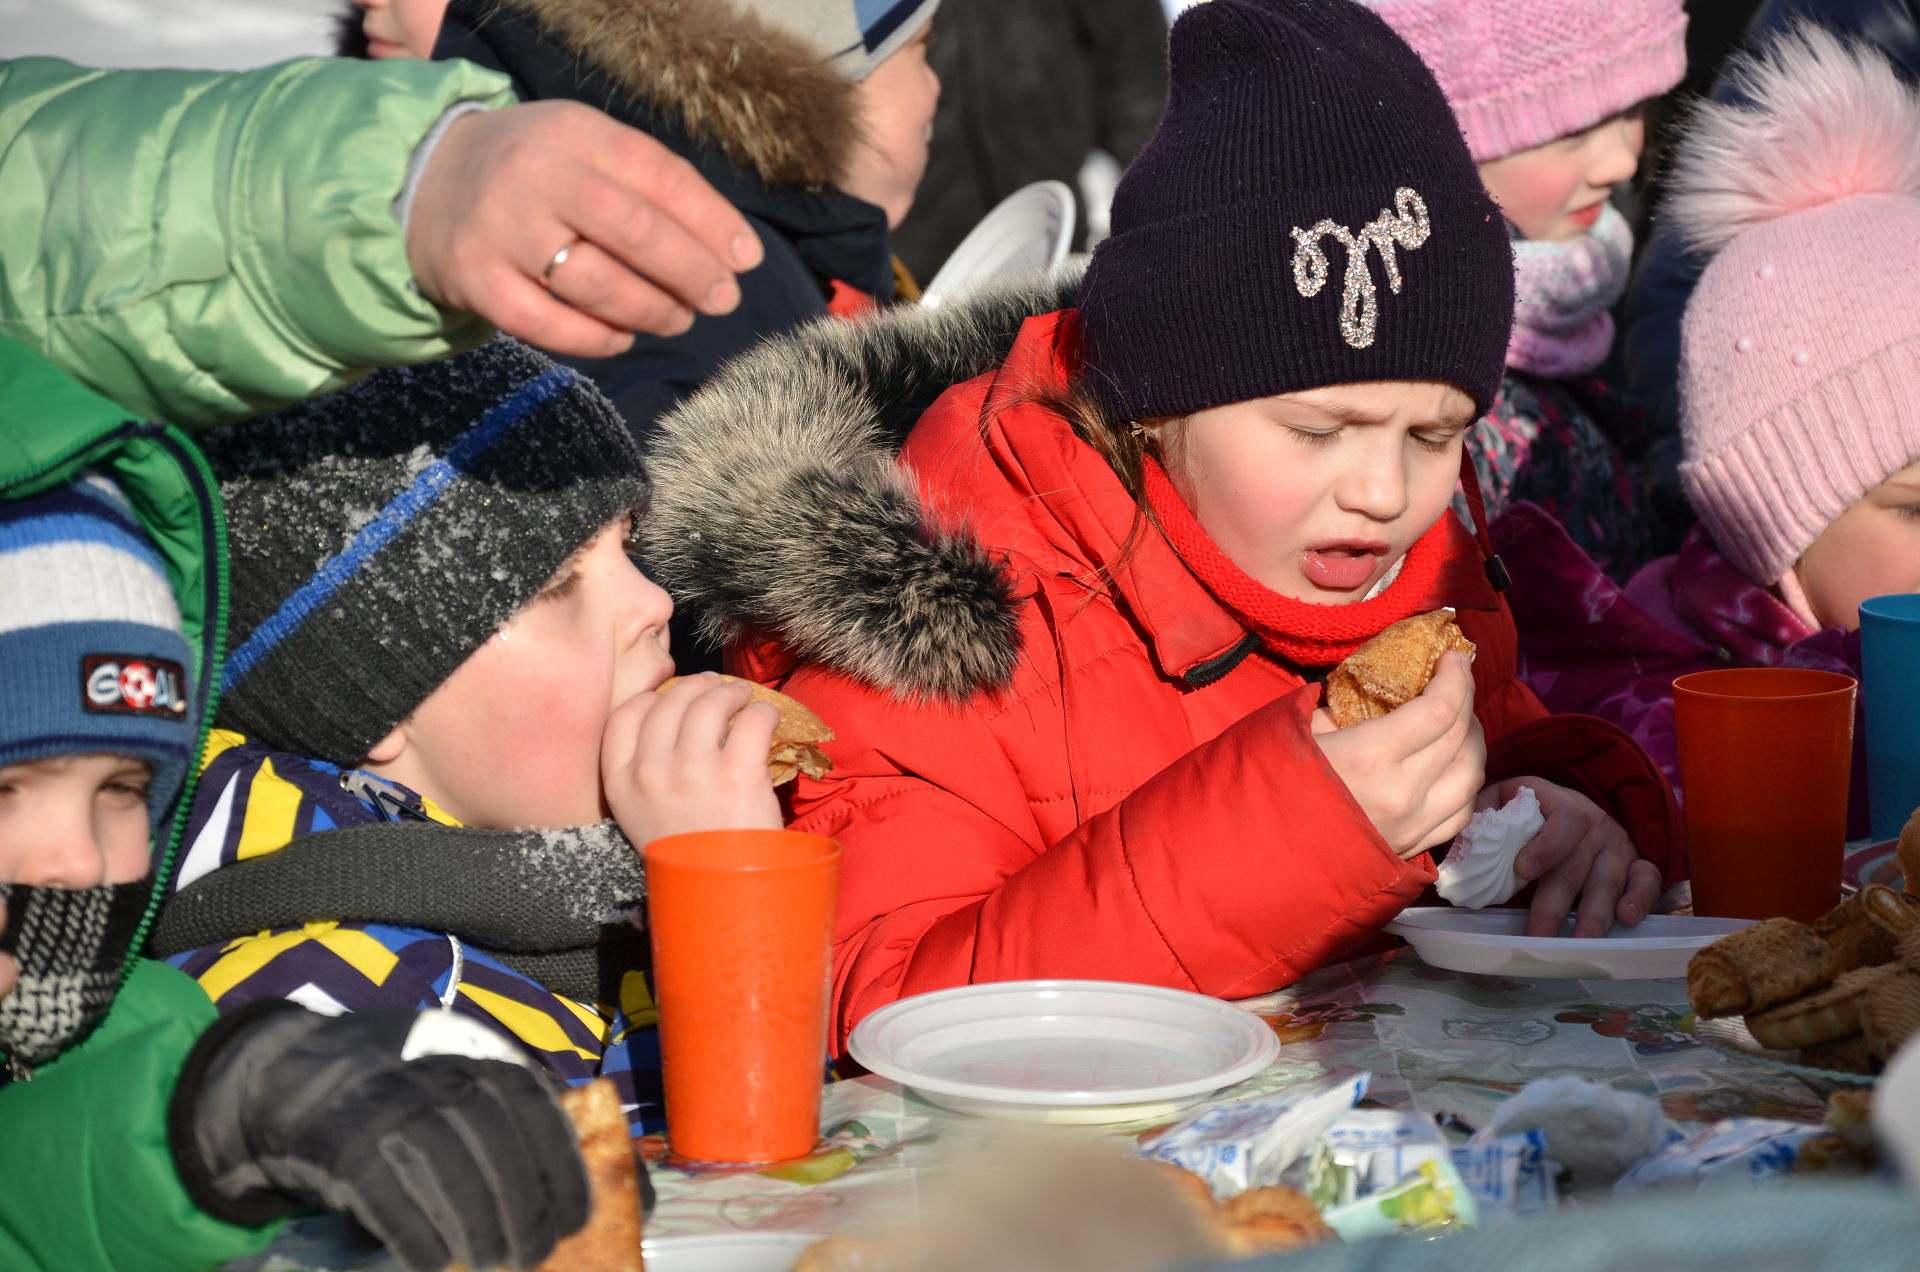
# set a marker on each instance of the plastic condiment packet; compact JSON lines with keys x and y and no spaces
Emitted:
{"x":1507,"y":1174}
{"x":1741,"y":1150}
{"x":1247,"y":1144}
{"x":1377,"y":1171}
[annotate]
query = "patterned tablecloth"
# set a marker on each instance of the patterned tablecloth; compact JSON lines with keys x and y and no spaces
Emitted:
{"x":1437,"y":1041}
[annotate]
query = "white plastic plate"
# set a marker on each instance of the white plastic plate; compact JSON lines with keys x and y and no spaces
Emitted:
{"x":1063,"y":1050}
{"x":1496,"y":942}
{"x":725,"y":1252}
{"x":1030,"y":229}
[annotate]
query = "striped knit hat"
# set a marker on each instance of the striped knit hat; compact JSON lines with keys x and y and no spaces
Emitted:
{"x":90,"y":637}
{"x":381,"y":535}
{"x":851,"y":36}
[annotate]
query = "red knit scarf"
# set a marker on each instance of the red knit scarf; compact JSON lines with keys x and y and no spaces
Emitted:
{"x":1306,"y":634}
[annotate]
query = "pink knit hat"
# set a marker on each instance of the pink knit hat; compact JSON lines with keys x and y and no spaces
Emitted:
{"x":1522,"y":72}
{"x":1800,"y":349}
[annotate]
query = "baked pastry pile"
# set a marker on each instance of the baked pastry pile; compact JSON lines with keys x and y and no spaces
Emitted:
{"x":1392,"y":667}
{"x":1844,"y":992}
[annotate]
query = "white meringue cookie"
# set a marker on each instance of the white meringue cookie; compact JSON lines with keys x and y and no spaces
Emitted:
{"x":1478,"y":870}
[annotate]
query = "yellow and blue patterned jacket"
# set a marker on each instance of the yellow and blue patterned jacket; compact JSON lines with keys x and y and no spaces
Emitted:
{"x":253,"y":801}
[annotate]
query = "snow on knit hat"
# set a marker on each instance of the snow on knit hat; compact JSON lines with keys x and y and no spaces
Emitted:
{"x":1522,"y":72}
{"x":1305,"y":215}
{"x":382,"y":534}
{"x":1800,"y":348}
{"x":851,"y":36}
{"x":90,"y":637}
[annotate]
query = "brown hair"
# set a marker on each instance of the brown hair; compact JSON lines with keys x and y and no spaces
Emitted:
{"x":1124,"y":445}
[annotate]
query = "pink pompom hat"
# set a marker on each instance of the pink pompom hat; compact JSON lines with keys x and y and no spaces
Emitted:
{"x":1800,"y":348}
{"x":1520,"y":73}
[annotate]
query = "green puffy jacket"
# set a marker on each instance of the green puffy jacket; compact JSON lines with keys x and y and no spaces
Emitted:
{"x":201,"y":247}
{"x":87,"y":1179}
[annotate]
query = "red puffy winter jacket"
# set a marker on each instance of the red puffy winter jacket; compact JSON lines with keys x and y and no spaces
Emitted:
{"x":1137,"y":795}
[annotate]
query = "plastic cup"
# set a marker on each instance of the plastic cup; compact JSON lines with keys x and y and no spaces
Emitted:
{"x":1890,"y":684}
{"x":742,"y":928}
{"x":1764,"y":756}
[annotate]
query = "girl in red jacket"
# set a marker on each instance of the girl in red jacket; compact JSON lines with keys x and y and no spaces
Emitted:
{"x":1072,"y":636}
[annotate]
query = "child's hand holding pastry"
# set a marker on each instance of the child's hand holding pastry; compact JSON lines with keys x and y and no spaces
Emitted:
{"x":1580,"y":852}
{"x":691,"y":757}
{"x":1416,"y":770}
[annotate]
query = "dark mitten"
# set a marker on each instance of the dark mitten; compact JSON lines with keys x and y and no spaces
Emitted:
{"x":428,"y":1128}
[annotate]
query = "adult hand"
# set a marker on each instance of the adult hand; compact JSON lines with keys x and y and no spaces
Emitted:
{"x":1579,"y":852}
{"x":649,"y":241}
{"x":692,"y":758}
{"x":9,"y":970}
{"x":1415,"y":770}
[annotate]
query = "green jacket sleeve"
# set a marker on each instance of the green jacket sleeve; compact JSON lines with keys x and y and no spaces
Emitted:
{"x":87,"y":1179}
{"x":203,"y":246}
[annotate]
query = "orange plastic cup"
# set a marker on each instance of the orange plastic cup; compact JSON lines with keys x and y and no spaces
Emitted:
{"x":742,"y":928}
{"x":1764,"y":754}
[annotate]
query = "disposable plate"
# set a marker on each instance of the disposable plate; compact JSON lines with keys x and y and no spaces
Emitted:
{"x":1496,"y":942}
{"x":1030,"y":229}
{"x":725,"y":1252}
{"x":1063,"y":1050}
{"x":1874,"y":863}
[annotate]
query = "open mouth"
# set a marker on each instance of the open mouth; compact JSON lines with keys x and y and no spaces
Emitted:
{"x":1343,"y":565}
{"x":1586,"y":217}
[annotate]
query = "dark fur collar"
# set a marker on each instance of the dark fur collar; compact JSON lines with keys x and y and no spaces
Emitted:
{"x":777,"y":507}
{"x":751,"y":91}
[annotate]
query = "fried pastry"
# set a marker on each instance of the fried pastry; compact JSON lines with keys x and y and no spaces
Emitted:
{"x":1264,"y":1220}
{"x":1819,"y":1017}
{"x":1908,"y":852}
{"x":1191,"y":1189}
{"x":1858,"y":930}
{"x":1843,"y":1055}
{"x":796,"y":739}
{"x":1891,"y":1013}
{"x":1392,"y":667}
{"x":1907,"y":952}
{"x":1758,"y":967}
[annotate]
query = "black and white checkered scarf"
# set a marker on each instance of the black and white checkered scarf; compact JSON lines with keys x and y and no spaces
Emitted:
{"x":71,"y":945}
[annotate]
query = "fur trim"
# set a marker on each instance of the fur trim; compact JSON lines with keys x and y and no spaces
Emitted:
{"x":754,"y":92}
{"x":1821,"y":120}
{"x":778,"y":508}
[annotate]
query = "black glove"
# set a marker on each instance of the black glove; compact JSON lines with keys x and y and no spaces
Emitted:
{"x":426,"y":1127}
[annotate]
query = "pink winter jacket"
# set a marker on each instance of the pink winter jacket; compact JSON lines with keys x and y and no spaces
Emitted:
{"x":1588,"y":645}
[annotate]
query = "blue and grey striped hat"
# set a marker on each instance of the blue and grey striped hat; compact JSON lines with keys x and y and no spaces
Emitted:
{"x":92,"y":659}
{"x":851,"y":36}
{"x":379,"y":536}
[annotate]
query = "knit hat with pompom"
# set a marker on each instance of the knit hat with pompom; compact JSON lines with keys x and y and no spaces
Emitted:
{"x":1800,"y":348}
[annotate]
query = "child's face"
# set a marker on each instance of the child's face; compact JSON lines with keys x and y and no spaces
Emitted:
{"x":1555,"y":191}
{"x":896,"y":103}
{"x":511,"y":740}
{"x":74,"y":821}
{"x":402,"y":28}
{"x":1871,"y":549}
{"x":1316,"y":494}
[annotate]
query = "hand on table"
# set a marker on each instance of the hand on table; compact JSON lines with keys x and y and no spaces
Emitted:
{"x":1415,"y":770}
{"x":1580,"y":852}
{"x":506,"y":189}
{"x":691,"y":758}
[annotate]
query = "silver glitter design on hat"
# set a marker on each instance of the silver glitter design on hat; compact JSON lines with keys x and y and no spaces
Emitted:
{"x":1405,"y":225}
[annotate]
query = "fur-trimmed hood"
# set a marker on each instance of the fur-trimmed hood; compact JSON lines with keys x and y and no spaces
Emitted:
{"x":727,"y":78}
{"x":778,"y":508}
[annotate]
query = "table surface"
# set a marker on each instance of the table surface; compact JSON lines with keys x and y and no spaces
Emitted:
{"x":1436,"y":1041}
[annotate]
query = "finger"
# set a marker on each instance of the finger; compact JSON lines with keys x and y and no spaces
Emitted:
{"x":548,"y":1144}
{"x":596,"y":284}
{"x":703,"y":728}
{"x":660,"y":731}
{"x":680,"y":192}
{"x":1606,"y":876}
{"x":1560,"y":836}
{"x":751,"y":736}
{"x":620,"y":740}
{"x":1321,"y":722}
{"x":1552,"y":898}
{"x":1438,"y":716}
{"x":1641,"y":893}
{"x":636,"y":230}
{"x":519,"y":306}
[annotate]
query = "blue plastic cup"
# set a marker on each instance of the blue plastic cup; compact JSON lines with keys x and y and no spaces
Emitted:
{"x":1890,"y":692}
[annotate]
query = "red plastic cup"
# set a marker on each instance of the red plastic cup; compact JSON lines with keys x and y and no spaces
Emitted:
{"x":1764,"y":757}
{"x":742,"y":929}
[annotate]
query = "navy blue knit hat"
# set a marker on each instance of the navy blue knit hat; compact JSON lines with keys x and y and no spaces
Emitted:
{"x":1307,"y":214}
{"x":382,"y":534}
{"x":90,"y":637}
